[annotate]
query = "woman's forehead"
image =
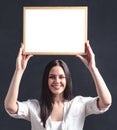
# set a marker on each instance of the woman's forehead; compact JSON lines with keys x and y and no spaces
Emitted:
{"x":56,"y":70}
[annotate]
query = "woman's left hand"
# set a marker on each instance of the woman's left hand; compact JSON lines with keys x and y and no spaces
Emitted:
{"x":104,"y":95}
{"x":89,"y":60}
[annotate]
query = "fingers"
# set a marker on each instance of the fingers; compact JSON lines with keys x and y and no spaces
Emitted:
{"x":89,"y":53}
{"x":21,"y":50}
{"x":88,"y":48}
{"x":89,"y":59}
{"x":28,"y":57}
{"x":81,"y":58}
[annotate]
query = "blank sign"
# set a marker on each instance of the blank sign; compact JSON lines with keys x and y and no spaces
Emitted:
{"x":54,"y":30}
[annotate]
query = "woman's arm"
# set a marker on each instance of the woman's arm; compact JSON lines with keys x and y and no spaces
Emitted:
{"x":12,"y":94}
{"x":102,"y":90}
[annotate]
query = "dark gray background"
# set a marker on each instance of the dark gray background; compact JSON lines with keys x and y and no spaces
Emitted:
{"x":102,"y":33}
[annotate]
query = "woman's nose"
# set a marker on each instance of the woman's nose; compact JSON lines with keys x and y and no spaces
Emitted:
{"x":57,"y":79}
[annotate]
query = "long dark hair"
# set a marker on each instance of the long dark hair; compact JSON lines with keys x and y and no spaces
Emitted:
{"x":46,"y":98}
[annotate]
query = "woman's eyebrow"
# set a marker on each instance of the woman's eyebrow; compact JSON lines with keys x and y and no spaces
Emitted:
{"x":56,"y":75}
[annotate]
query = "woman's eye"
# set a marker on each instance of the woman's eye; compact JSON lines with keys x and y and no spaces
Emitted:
{"x":62,"y":77}
{"x":52,"y":77}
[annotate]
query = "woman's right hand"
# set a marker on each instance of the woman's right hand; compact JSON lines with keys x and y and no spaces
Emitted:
{"x":22,"y":59}
{"x":11,"y":104}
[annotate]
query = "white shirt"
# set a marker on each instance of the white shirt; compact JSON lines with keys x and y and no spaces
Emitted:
{"x":56,"y":125}
{"x":75,"y":112}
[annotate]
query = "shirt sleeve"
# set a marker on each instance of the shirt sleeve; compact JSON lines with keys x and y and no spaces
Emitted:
{"x":91,"y":106}
{"x":23,"y":110}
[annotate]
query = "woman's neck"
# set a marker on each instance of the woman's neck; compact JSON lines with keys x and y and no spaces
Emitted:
{"x":58,"y":99}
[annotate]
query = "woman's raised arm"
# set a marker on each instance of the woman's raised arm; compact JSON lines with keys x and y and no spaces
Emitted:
{"x":10,"y":101}
{"x":102,"y":90}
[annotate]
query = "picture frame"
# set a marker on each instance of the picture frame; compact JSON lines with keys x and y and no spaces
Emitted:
{"x":55,"y":30}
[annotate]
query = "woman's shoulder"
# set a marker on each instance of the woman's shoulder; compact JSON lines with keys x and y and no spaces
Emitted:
{"x":82,"y":99}
{"x":33,"y":100}
{"x":33,"y":103}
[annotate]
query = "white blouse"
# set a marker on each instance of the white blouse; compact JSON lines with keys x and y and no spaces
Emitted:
{"x":56,"y":125}
{"x":75,"y":112}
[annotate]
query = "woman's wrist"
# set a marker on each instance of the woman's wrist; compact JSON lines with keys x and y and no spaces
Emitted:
{"x":19,"y":71}
{"x":93,"y":69}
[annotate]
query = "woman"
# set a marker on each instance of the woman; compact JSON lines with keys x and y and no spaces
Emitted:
{"x":56,"y":110}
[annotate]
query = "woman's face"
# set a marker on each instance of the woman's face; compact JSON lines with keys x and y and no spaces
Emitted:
{"x":57,"y":80}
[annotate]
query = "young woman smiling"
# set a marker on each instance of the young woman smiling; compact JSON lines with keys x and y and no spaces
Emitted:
{"x":56,"y":109}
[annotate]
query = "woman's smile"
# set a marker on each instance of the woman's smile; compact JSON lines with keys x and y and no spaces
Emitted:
{"x":57,"y":80}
